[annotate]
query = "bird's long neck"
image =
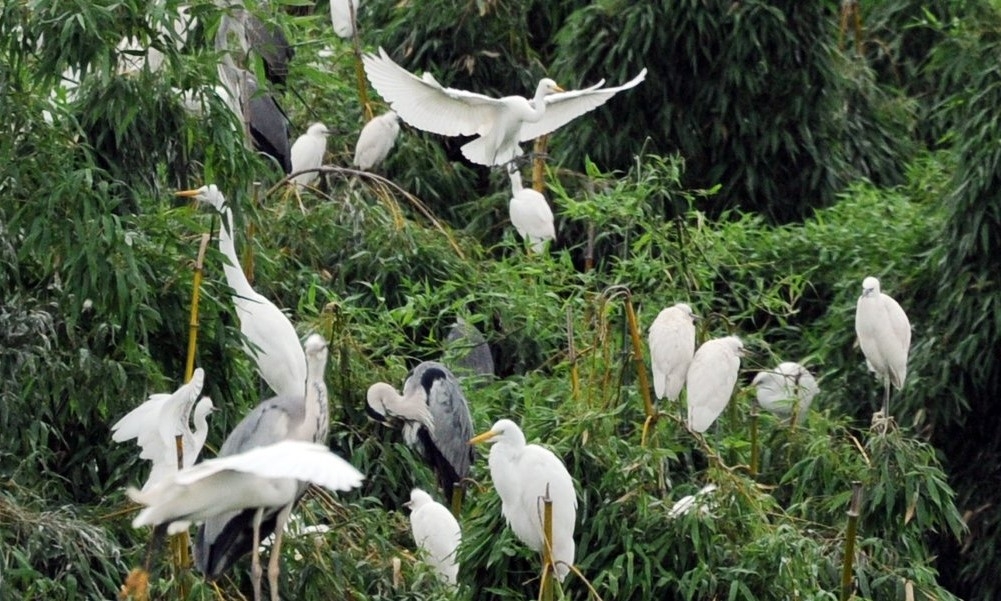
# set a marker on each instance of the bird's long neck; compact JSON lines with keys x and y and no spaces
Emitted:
{"x":235,"y":277}
{"x":539,"y":104}
{"x":516,"y":185}
{"x":316,"y":416}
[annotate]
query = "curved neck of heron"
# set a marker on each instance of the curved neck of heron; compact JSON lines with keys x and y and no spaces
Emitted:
{"x":235,"y":277}
{"x":317,"y":407}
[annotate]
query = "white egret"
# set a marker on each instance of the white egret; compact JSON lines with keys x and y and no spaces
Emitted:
{"x":672,"y":345}
{"x":274,"y":344}
{"x":436,"y":420}
{"x":499,"y":123}
{"x":376,"y":140}
{"x":530,"y":214}
{"x":786,"y":390}
{"x":437,"y":533}
{"x":523,"y":474}
{"x":697,"y":501}
{"x":307,"y":153}
{"x":156,"y":422}
{"x":344,"y":16}
{"x":884,"y":333}
{"x":711,"y":378}
{"x":224,"y":537}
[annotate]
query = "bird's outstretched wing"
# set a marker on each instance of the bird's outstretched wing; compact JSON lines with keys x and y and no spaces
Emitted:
{"x":564,"y":107}
{"x":426,"y":104}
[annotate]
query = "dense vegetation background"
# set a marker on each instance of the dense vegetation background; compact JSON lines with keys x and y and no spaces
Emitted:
{"x":774,"y":156}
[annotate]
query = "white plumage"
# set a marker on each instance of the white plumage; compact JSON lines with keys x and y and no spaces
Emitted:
{"x":530,"y":214}
{"x":275,"y":345}
{"x":785,"y":390}
{"x":522,"y":473}
{"x":672,"y":345}
{"x":437,"y":533}
{"x":307,"y":153}
{"x":711,"y":378}
{"x":499,"y":123}
{"x":340,"y":17}
{"x":376,"y":140}
{"x":884,"y":333}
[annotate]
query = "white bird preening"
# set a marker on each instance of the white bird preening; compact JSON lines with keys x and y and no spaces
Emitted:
{"x":499,"y":123}
{"x":884,"y":333}
{"x":436,"y":420}
{"x":786,"y":391}
{"x":711,"y":378}
{"x":376,"y":140}
{"x":275,"y":346}
{"x":672,"y":346}
{"x":523,"y":475}
{"x":157,"y":422}
{"x":307,"y":154}
{"x":530,"y":214}
{"x":437,"y":533}
{"x":224,"y":537}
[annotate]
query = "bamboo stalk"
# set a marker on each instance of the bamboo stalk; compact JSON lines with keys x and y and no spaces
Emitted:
{"x":539,"y":162}
{"x":548,"y":569}
{"x":359,"y":67}
{"x":644,"y":384}
{"x":456,"y":500}
{"x":572,"y":355}
{"x":754,"y":440}
{"x":854,"y":510}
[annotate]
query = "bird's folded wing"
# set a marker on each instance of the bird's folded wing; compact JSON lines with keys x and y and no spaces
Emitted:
{"x":424,"y":103}
{"x":563,"y":107}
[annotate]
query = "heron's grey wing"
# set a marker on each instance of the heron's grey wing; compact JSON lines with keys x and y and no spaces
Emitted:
{"x":269,"y":41}
{"x":470,"y":349}
{"x":453,"y":423}
{"x":564,"y":107}
{"x":269,"y":125}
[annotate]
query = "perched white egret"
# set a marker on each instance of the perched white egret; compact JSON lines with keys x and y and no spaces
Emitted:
{"x":523,"y":474}
{"x":530,"y":214}
{"x":786,"y":390}
{"x":436,"y":532}
{"x":711,"y":378}
{"x":307,"y":153}
{"x":156,"y":422}
{"x":436,"y":419}
{"x":275,"y":345}
{"x":267,"y":476}
{"x":224,"y":537}
{"x":672,"y":345}
{"x":697,"y":501}
{"x":884,"y":333}
{"x":344,"y":16}
{"x":376,"y":140}
{"x":499,"y":123}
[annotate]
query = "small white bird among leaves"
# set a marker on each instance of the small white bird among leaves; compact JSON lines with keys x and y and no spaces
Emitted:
{"x":341,"y":18}
{"x":308,"y":151}
{"x":437,"y":533}
{"x":884,"y":333}
{"x":786,"y":391}
{"x":376,"y":140}
{"x":711,"y":378}
{"x":672,"y":346}
{"x":530,"y":214}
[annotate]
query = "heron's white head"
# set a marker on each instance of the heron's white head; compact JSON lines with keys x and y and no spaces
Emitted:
{"x":204,"y":407}
{"x":209,"y":194}
{"x":735,"y":344}
{"x":418,"y":499}
{"x":548,"y":86}
{"x":380,"y":395}
{"x":318,"y":129}
{"x":391,"y":116}
{"x":684,"y":308}
{"x":503,"y":431}
{"x":870,"y":286}
{"x":315,"y":346}
{"x":384,"y":402}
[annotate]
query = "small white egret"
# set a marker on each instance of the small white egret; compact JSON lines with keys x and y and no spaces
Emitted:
{"x":224,"y":537}
{"x":688,"y":502}
{"x":530,"y":214}
{"x":436,"y":532}
{"x":884,"y":333}
{"x":376,"y":140}
{"x":711,"y":378}
{"x":672,"y":345}
{"x":523,"y":474}
{"x":499,"y":123}
{"x":307,"y":153}
{"x":436,"y":420}
{"x":344,"y":16}
{"x":786,"y":390}
{"x":275,"y":345}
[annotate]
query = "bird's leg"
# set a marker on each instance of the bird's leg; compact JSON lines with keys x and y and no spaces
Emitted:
{"x":255,"y":562}
{"x":456,"y":502}
{"x":886,"y":400}
{"x":276,"y":550}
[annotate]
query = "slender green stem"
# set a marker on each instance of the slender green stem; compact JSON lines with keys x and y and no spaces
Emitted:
{"x":854,"y":509}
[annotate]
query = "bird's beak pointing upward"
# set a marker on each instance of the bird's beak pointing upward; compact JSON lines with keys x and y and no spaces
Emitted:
{"x":482,"y":437}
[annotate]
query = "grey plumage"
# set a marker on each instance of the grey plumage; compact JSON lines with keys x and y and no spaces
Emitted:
{"x":469,"y":350}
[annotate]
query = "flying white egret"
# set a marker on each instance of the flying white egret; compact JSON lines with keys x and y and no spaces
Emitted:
{"x":499,"y":123}
{"x":275,"y":345}
{"x":376,"y":140}
{"x":530,"y":214}
{"x":156,"y":422}
{"x":224,"y":537}
{"x":307,"y":153}
{"x":344,"y":16}
{"x":711,"y":378}
{"x":436,"y":420}
{"x":437,"y":533}
{"x":884,"y":333}
{"x":786,"y":390}
{"x":672,"y":345}
{"x":523,"y":474}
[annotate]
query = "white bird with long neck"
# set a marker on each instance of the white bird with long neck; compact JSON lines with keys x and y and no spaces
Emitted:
{"x":524,"y":474}
{"x":307,"y":153}
{"x":499,"y":123}
{"x":273,"y":344}
{"x":376,"y":140}
{"x":437,"y":533}
{"x":672,"y":346}
{"x":884,"y":333}
{"x":530,"y":214}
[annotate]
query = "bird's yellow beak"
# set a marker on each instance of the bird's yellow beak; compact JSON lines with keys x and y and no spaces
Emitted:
{"x":482,"y":437}
{"x":186,"y":193}
{"x":558,"y":89}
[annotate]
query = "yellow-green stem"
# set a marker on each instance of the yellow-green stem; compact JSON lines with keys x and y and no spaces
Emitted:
{"x":854,"y":509}
{"x":546,"y":594}
{"x":644,"y":384}
{"x":754,"y":440}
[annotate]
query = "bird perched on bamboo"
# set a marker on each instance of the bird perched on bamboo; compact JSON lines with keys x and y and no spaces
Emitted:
{"x":499,"y":124}
{"x":530,"y":214}
{"x":376,"y":140}
{"x":787,"y":390}
{"x":436,"y":532}
{"x":710,"y":379}
{"x":524,"y":475}
{"x":884,"y":333}
{"x":672,"y":346}
{"x":307,"y":154}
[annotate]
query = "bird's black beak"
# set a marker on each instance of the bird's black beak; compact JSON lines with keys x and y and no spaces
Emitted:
{"x":374,"y":414}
